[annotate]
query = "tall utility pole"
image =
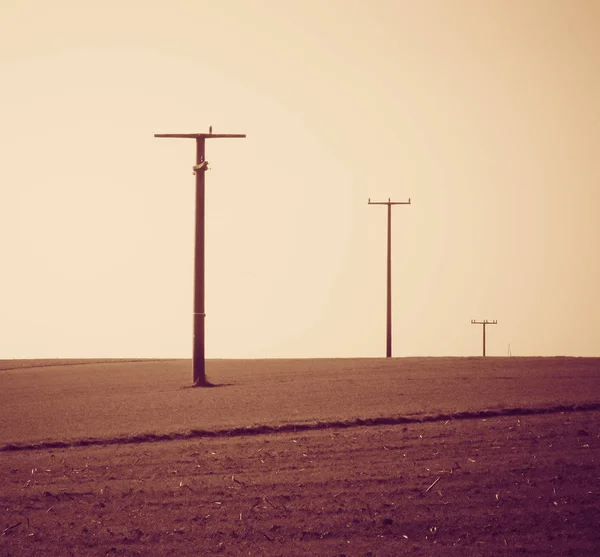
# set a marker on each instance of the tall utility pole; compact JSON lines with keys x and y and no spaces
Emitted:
{"x":484,"y":323}
{"x":389,"y":203}
{"x":199,"y":170}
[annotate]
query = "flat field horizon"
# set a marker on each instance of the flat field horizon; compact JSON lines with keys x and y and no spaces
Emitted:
{"x":69,"y":400}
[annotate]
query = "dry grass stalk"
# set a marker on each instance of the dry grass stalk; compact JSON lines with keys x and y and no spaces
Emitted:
{"x":431,"y":486}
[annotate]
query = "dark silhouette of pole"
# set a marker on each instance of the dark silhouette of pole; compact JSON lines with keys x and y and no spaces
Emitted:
{"x":484,"y":323}
{"x":200,"y":168}
{"x":389,"y":203}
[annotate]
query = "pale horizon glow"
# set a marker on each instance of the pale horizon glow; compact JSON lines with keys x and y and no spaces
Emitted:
{"x":485,"y":114}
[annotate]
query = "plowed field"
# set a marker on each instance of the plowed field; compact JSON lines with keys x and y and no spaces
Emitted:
{"x":458,"y":457}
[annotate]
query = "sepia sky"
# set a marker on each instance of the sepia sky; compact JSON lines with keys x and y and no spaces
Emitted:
{"x":486,"y":113}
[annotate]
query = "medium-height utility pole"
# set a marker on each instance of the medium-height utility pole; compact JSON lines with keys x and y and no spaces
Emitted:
{"x":484,"y":323}
{"x":389,"y":203}
{"x":199,"y":170}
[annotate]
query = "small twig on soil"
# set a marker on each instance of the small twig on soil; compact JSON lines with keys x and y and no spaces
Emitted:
{"x":6,"y":530}
{"x":267,"y":501}
{"x":237,"y":481}
{"x":436,"y":481}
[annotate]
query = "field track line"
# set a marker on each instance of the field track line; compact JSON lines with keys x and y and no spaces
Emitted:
{"x":63,"y":363}
{"x":286,"y":428}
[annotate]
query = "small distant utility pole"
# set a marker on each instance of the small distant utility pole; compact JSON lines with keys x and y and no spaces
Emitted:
{"x":484,"y":323}
{"x":199,"y":170}
{"x":389,"y":203}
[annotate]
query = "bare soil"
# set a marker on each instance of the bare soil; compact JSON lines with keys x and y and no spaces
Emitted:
{"x":107,"y":399}
{"x":462,"y":484}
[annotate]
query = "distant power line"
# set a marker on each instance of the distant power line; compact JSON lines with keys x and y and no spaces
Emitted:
{"x":484,"y":323}
{"x":389,"y":203}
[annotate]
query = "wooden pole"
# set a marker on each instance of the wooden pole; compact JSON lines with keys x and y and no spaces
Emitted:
{"x":484,"y":323}
{"x":388,"y":320}
{"x":198,"y":358}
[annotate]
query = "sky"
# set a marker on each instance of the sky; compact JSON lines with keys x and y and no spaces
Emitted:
{"x":485,"y":113}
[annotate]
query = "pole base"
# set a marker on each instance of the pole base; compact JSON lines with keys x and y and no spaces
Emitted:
{"x":204,"y":383}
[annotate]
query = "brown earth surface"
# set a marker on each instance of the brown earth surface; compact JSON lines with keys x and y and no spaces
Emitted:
{"x":503,"y":486}
{"x":463,"y":483}
{"x":111,"y":399}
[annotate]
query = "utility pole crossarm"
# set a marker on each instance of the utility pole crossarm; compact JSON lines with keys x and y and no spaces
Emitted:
{"x":199,"y":135}
{"x":389,"y":202}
